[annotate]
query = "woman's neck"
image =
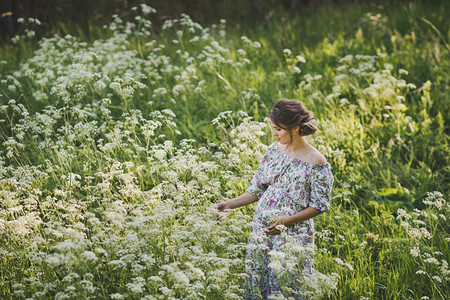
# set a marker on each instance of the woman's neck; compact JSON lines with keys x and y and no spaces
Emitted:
{"x":297,"y":145}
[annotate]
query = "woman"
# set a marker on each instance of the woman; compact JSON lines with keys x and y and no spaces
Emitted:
{"x":292,"y":185}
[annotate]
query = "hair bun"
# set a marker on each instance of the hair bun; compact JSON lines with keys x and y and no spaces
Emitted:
{"x":288,"y":114}
{"x":308,"y":128}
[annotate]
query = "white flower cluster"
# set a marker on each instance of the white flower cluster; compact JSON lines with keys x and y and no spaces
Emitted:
{"x":295,"y":271}
{"x":426,"y":225}
{"x":115,"y":196}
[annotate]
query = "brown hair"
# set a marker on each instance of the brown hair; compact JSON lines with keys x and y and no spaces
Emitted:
{"x":289,"y":114}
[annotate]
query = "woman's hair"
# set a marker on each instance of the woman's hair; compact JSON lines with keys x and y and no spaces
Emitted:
{"x":289,"y":114}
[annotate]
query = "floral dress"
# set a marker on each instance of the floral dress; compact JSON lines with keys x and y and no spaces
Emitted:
{"x":276,"y":264}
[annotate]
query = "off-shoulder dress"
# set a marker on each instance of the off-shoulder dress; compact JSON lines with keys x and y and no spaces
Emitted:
{"x":284,"y":186}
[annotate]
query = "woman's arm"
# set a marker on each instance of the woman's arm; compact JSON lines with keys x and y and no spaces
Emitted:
{"x":244,"y":199}
{"x":303,"y":215}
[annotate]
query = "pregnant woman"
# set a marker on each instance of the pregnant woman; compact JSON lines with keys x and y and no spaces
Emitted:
{"x":292,"y":185}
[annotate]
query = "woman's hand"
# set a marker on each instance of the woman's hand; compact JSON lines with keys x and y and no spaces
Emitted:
{"x":276,"y":226}
{"x":221,"y":207}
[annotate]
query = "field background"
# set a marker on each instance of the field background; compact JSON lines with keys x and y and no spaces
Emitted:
{"x":122,"y":127}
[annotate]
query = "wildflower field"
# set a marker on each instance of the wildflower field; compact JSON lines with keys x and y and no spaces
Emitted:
{"x":115,"y":151}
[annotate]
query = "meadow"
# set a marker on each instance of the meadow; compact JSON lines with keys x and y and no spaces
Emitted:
{"x":115,"y":151}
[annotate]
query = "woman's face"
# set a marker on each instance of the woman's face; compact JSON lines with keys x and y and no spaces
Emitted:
{"x":282,"y":135}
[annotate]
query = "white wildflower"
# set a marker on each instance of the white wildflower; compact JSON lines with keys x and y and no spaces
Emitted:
{"x":415,"y":251}
{"x":437,"y":278}
{"x":300,"y":59}
{"x":432,"y":260}
{"x":89,"y":255}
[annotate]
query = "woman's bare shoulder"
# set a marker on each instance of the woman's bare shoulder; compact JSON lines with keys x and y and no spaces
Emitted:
{"x":315,"y":157}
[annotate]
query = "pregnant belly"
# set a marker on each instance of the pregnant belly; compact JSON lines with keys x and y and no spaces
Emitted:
{"x":268,"y":209}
